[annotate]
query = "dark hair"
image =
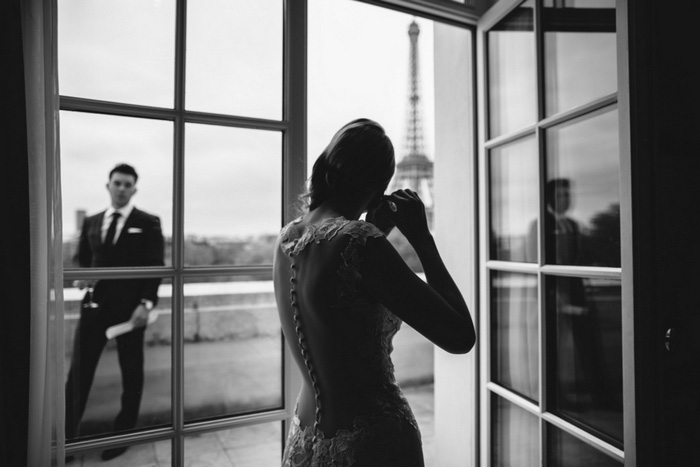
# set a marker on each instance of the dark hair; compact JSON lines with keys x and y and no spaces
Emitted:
{"x":124,"y":169}
{"x":555,"y":183}
{"x":358,"y":160}
{"x":551,"y":188}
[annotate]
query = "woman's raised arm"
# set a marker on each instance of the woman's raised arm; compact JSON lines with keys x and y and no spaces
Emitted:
{"x":436,"y":309}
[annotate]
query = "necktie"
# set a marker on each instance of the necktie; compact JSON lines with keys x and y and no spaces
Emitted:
{"x":109,"y":239}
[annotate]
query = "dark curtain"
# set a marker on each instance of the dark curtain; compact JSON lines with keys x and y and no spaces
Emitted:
{"x":14,"y":243}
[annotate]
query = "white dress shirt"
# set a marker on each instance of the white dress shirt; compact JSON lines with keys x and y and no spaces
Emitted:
{"x":124,"y":213}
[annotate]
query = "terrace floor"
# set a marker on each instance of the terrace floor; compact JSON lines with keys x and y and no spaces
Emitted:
{"x":256,"y":446}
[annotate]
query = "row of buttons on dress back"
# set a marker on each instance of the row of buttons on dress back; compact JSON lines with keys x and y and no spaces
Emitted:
{"x":302,"y":347}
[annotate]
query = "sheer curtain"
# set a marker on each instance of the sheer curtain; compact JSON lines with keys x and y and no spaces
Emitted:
{"x":45,"y":441}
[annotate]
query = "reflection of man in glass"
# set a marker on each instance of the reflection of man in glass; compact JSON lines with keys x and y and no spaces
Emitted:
{"x":576,"y":314}
{"x":120,"y":236}
{"x":563,"y":239}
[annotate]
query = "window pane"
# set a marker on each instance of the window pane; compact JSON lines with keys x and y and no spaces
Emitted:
{"x":234,"y":57}
{"x":564,"y":450}
{"x":515,"y":435}
{"x":132,"y":377}
{"x":412,"y":358}
{"x":117,"y":51}
{"x":372,"y":64}
{"x":91,"y":146}
{"x":513,"y":202}
{"x":403,"y":72}
{"x":233,"y":347}
{"x":514,"y":333}
{"x":249,"y":446}
{"x":233,"y":195}
{"x":137,"y":455}
{"x":585,"y":348}
{"x":512,"y":79}
{"x":582,"y":222}
{"x":394,"y":72}
{"x":371,"y":78}
{"x":580,"y":54}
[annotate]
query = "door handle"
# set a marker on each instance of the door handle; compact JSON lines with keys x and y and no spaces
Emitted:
{"x":668,"y":337}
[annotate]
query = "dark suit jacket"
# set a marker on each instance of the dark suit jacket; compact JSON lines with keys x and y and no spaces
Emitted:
{"x":565,"y":246}
{"x":140,"y":243}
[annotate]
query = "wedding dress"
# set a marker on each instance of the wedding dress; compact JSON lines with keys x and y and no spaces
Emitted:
{"x":344,"y":350}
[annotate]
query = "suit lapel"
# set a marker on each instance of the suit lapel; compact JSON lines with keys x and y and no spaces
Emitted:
{"x":96,"y":228}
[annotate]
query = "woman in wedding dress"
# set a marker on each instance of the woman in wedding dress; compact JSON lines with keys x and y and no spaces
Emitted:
{"x":342,"y":292}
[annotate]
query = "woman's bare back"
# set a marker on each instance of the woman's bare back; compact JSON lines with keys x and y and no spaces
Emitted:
{"x":350,"y":410}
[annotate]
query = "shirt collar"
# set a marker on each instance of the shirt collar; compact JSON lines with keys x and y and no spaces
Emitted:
{"x":124,"y":211}
{"x":556,"y":215}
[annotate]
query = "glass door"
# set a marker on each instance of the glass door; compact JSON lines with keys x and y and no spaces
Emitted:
{"x":551,"y":322}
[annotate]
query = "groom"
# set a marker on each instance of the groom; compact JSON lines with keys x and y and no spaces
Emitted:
{"x":120,"y":236}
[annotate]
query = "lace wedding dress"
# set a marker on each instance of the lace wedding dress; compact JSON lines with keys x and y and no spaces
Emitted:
{"x":383,"y":431}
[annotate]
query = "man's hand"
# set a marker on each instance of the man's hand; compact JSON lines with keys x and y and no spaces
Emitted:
{"x":140,"y":316}
{"x":81,"y":284}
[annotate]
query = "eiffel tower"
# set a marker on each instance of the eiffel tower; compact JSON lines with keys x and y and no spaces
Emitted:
{"x":415,"y":170}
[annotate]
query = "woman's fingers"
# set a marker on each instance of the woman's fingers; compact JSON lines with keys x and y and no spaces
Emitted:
{"x":409,"y":215}
{"x":380,"y":214}
{"x":404,"y":197}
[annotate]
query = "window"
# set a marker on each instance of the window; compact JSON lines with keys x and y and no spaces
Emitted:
{"x":381,"y":64}
{"x":195,"y":102}
{"x":207,"y":100}
{"x":552,"y":289}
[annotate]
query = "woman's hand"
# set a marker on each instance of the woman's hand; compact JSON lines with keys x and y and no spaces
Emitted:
{"x":409,"y":214}
{"x":403,"y":209}
{"x":379,"y":213}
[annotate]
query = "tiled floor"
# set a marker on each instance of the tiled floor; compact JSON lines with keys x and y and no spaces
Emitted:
{"x":255,"y":446}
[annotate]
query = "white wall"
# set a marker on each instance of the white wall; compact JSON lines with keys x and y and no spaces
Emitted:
{"x":456,"y":422}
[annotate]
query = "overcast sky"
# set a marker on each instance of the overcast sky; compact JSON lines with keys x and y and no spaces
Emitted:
{"x":358,"y":66}
{"x":122,"y":51}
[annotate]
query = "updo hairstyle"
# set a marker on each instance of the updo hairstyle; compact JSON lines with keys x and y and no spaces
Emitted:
{"x":358,"y":161}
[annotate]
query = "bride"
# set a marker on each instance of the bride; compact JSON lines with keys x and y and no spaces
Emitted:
{"x":342,"y":292}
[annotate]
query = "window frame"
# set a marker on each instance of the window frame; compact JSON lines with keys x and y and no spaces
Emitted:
{"x":292,"y":128}
{"x":539,"y":269}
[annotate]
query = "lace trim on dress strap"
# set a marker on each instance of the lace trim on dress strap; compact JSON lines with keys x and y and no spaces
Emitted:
{"x":349,"y":271}
{"x":362,"y":230}
{"x":328,"y":229}
{"x":284,"y":233}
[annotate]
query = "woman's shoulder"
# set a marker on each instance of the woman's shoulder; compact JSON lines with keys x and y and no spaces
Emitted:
{"x":296,"y":235}
{"x":362,"y":230}
{"x":289,"y":229}
{"x":289,"y":236}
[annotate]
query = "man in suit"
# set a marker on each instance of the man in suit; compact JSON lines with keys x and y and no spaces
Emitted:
{"x":120,"y":236}
{"x":563,"y":235}
{"x":569,"y":301}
